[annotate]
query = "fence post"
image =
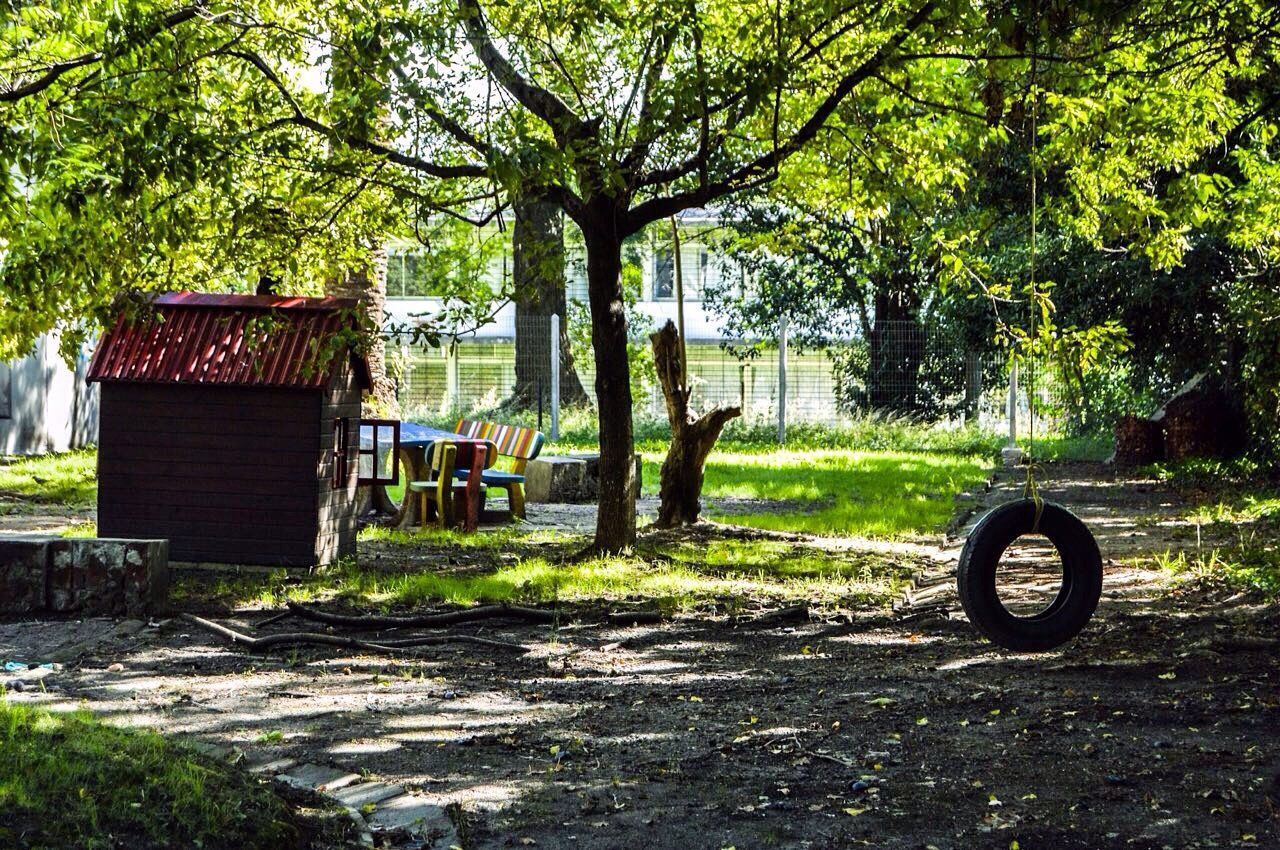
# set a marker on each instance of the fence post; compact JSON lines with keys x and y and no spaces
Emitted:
{"x":452,"y":389}
{"x":1013,"y":402}
{"x":1011,"y":453}
{"x":782,"y":379}
{"x":555,"y":377}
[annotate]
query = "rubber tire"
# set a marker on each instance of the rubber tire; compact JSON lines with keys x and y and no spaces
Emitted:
{"x":1081,"y":587}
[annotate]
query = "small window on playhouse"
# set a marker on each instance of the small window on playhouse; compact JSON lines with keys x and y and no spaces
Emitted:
{"x":338,"y":454}
{"x":379,"y":451}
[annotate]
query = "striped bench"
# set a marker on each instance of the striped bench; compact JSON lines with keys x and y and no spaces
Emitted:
{"x":516,"y":444}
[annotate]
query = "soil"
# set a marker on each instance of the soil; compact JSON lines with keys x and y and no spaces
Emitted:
{"x":1158,"y":727}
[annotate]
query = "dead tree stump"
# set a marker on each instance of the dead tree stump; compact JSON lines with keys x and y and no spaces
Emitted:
{"x":692,"y":437}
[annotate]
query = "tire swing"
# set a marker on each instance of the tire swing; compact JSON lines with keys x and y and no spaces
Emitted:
{"x":1077,"y":599}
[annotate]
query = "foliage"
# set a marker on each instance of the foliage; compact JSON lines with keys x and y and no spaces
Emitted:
{"x":641,"y":369}
{"x":68,"y":780}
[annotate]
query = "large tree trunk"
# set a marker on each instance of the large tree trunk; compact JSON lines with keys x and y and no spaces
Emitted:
{"x":616,"y":519}
{"x":538,"y":272}
{"x":692,"y":438}
{"x":361,"y":107}
{"x":897,"y":347}
{"x":368,"y":286}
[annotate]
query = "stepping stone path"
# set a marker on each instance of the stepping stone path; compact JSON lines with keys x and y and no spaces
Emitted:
{"x":377,"y":808}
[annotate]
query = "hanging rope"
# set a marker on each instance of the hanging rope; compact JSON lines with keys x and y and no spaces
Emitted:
{"x":1030,"y":490}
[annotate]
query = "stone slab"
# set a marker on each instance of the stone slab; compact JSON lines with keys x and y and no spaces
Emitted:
{"x":417,"y":816}
{"x":318,"y":777}
{"x":365,"y":793}
{"x":273,"y":767}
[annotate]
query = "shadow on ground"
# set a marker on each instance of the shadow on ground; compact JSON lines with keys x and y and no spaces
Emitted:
{"x":1157,"y":728}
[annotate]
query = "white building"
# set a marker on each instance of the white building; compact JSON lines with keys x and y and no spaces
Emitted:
{"x":44,"y":405}
{"x":407,"y":297}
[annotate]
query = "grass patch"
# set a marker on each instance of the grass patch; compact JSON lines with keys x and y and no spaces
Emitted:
{"x":1237,"y":505}
{"x":888,"y":495}
{"x":69,"y":478}
{"x":67,"y":780}
{"x":725,"y":574}
{"x":1254,"y":568}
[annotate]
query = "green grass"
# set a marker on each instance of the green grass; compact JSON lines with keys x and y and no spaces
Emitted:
{"x":887,"y":495}
{"x":69,"y":478}
{"x":67,"y":780}
{"x":1236,"y":505}
{"x":725,"y":574}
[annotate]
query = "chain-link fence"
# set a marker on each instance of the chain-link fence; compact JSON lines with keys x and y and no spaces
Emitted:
{"x":901,"y":369}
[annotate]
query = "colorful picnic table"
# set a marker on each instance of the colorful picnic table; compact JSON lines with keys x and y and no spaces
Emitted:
{"x":415,"y":440}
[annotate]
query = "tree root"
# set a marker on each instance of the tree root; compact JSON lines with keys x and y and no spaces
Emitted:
{"x":436,"y":620}
{"x":401,"y":645}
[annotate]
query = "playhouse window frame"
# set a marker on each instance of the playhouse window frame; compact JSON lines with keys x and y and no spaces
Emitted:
{"x":375,"y":426}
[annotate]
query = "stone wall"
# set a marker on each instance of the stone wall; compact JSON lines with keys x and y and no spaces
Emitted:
{"x":85,"y":576}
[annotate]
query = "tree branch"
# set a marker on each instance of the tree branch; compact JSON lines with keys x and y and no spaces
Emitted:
{"x":764,"y":168}
{"x":55,"y":71}
{"x":540,"y":101}
{"x":300,"y":119}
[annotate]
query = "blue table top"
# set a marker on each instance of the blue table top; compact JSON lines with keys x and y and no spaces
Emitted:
{"x":415,"y":434}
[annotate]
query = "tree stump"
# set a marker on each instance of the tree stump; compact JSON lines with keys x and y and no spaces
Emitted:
{"x":692,"y":438}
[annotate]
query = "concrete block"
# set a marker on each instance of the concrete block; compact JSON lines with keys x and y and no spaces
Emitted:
{"x":317,"y":777}
{"x":567,"y":479}
{"x":22,"y":574}
{"x":418,"y":817}
{"x":367,"y":793}
{"x":556,"y":479}
{"x":108,"y":577}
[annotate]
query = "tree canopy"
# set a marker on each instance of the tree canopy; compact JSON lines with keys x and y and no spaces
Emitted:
{"x":146,"y":145}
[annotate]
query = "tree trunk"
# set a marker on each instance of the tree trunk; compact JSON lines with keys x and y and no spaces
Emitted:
{"x":368,"y":286}
{"x":360,"y":107}
{"x":691,"y":438}
{"x":616,"y":518}
{"x":538,"y":273}
{"x":897,"y":348}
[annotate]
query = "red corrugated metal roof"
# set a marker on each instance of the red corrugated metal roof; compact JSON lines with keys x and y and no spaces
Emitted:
{"x":241,"y":340}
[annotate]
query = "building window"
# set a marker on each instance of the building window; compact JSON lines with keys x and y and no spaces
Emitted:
{"x":696,"y":269}
{"x":6,"y":391}
{"x":663,"y":274}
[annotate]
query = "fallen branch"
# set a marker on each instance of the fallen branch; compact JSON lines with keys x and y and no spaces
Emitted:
{"x":635,"y":618}
{"x":792,"y":614}
{"x":275,"y":618}
{"x":314,"y":638}
{"x":444,"y":618}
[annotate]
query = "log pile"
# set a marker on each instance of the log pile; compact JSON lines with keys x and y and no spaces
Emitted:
{"x":1139,"y":441}
{"x":1200,"y":420}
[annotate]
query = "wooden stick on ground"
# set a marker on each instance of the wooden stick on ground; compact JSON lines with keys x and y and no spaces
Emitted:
{"x":792,"y":614}
{"x":443,"y":618}
{"x":315,"y":638}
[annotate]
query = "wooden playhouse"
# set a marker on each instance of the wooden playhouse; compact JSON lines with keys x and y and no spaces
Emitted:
{"x":230,"y":424}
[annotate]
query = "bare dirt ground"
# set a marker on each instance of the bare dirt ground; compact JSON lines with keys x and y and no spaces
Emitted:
{"x":1159,"y":727}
